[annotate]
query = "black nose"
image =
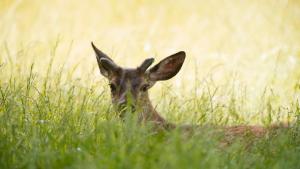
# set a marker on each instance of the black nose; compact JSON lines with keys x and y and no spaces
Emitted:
{"x":124,"y":107}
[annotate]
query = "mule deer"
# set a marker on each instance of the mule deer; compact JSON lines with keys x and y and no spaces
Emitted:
{"x":129,"y":87}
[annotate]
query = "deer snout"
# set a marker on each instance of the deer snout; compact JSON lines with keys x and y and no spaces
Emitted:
{"x":124,"y":105}
{"x":122,"y":102}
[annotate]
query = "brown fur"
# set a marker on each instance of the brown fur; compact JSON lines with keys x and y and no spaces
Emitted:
{"x":133,"y":85}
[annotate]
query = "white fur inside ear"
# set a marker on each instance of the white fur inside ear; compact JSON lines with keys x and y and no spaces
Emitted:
{"x":105,"y":73}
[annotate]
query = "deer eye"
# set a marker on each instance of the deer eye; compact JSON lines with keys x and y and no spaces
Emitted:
{"x":145,"y":87}
{"x":113,"y":87}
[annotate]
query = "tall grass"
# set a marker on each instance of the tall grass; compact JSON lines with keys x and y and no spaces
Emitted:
{"x":242,"y":67}
{"x":62,"y":124}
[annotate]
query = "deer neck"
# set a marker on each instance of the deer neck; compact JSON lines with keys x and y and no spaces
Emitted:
{"x":150,"y":114}
{"x":147,"y":109}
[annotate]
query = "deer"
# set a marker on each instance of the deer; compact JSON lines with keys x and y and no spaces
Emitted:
{"x":132,"y":84}
{"x":129,"y":88}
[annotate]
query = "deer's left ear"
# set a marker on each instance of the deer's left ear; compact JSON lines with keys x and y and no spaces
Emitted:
{"x":167,"y":68}
{"x":106,"y":64}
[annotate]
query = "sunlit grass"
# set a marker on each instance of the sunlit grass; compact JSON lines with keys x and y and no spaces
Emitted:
{"x":242,"y":67}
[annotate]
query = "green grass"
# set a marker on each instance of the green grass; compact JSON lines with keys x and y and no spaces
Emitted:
{"x":242,"y":67}
{"x":54,"y":122}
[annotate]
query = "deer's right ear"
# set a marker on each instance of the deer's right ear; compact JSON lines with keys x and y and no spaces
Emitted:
{"x":106,"y":65}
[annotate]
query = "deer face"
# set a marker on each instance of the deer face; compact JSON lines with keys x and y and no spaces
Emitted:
{"x":129,"y":87}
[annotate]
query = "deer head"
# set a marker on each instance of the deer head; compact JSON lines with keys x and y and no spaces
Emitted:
{"x":129,"y":86}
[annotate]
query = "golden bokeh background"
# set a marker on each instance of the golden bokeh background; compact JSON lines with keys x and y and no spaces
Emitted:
{"x":251,"y":45}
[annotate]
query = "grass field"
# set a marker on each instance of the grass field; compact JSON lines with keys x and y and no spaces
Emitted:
{"x":242,"y":67}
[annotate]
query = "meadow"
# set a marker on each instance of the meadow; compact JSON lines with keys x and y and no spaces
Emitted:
{"x":242,"y":68}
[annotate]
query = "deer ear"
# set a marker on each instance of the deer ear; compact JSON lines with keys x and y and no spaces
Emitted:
{"x":106,"y":65}
{"x":167,"y":68}
{"x":144,"y":66}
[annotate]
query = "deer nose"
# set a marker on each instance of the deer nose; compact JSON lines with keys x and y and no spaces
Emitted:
{"x":122,"y":105}
{"x":122,"y":101}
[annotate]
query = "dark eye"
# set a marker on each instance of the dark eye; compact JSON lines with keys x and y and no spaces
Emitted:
{"x":113,"y":87}
{"x":145,"y":87}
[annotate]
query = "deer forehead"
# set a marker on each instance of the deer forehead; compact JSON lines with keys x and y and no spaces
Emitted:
{"x":128,"y":77}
